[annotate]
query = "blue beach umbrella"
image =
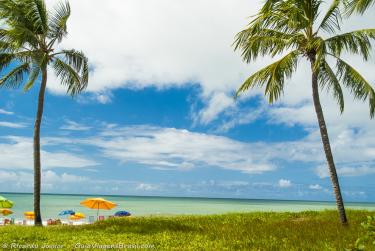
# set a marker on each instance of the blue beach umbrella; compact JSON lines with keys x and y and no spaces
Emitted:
{"x":122,"y":214}
{"x":67,"y":212}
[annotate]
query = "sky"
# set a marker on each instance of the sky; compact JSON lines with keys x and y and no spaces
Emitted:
{"x":159,"y":118}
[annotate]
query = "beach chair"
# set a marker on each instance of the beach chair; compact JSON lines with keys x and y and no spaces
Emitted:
{"x":101,"y":218}
{"x":111,"y":217}
{"x":91,"y":219}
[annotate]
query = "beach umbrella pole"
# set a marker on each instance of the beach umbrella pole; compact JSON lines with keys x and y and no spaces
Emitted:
{"x":97,"y":213}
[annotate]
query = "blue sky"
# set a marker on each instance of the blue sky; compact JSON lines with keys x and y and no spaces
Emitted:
{"x":159,"y":119}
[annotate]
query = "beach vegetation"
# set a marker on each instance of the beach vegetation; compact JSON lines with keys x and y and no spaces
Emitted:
{"x":236,"y":231}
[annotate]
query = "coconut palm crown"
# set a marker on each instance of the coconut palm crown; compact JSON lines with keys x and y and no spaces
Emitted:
{"x":29,"y":35}
{"x":290,"y":29}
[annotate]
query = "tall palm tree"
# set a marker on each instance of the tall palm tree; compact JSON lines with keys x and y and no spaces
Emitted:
{"x":28,"y":38}
{"x":359,"y":6}
{"x":290,"y":27}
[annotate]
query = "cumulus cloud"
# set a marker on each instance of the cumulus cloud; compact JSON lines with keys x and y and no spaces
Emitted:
{"x":184,"y":50}
{"x":284,"y":183}
{"x":217,"y":104}
{"x":315,"y":187}
{"x":147,"y":187}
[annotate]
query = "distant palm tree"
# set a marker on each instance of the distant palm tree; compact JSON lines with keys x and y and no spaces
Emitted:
{"x":359,"y":6}
{"x":28,"y":38}
{"x":287,"y":26}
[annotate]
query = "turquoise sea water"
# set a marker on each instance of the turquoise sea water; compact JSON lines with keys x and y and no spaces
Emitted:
{"x":138,"y":206}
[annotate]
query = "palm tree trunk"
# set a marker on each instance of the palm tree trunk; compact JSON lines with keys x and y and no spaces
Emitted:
{"x":37,"y":162}
{"x":326,"y":144}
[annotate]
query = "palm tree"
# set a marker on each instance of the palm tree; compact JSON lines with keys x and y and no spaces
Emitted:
{"x":28,"y":38}
{"x":359,"y":6}
{"x":291,"y":27}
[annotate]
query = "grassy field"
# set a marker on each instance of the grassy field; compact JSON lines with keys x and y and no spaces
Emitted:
{"x":248,"y":231}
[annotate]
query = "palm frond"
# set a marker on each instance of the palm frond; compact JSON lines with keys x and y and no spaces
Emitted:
{"x":15,"y":77}
{"x":5,"y":60}
{"x":358,"y":85}
{"x":37,"y":15}
{"x":79,"y":62}
{"x":33,"y":76}
{"x":5,"y":46}
{"x":57,"y":22}
{"x":332,"y":19}
{"x":328,"y":79}
{"x":357,"y":42}
{"x":15,"y":13}
{"x":359,"y":6}
{"x":69,"y":77}
{"x":273,"y":76}
{"x":254,"y":43}
{"x":18,"y":37}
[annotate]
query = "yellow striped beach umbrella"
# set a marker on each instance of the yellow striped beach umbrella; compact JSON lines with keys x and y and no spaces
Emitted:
{"x":77,"y":216}
{"x":29,"y":215}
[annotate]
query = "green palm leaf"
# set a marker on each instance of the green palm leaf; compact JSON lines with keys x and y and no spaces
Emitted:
{"x":57,"y":22}
{"x":273,"y":76}
{"x":33,"y":76}
{"x":69,"y":77}
{"x":358,"y":85}
{"x":356,"y":42}
{"x":15,"y":77}
{"x":332,"y":19}
{"x":38,"y":15}
{"x":328,"y":79}
{"x":359,"y":6}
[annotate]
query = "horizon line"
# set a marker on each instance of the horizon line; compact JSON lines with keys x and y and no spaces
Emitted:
{"x":190,"y":197}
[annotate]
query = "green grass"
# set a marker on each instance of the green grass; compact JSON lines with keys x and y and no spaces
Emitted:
{"x":247,"y":231}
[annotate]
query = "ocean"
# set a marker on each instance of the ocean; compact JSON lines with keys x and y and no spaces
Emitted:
{"x":53,"y":204}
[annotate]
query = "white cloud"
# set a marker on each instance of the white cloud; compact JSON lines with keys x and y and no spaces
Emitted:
{"x":21,"y":181}
{"x":238,"y":116}
{"x":322,"y":171}
{"x":284,"y":183}
{"x":5,"y":112}
{"x":169,"y":148}
{"x":147,"y":187}
{"x":176,"y":149}
{"x":74,"y":126}
{"x":12,"y":125}
{"x":217,"y":104}
{"x":315,"y":187}
{"x":183,"y":50}
{"x":16,"y":153}
{"x":159,"y":44}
